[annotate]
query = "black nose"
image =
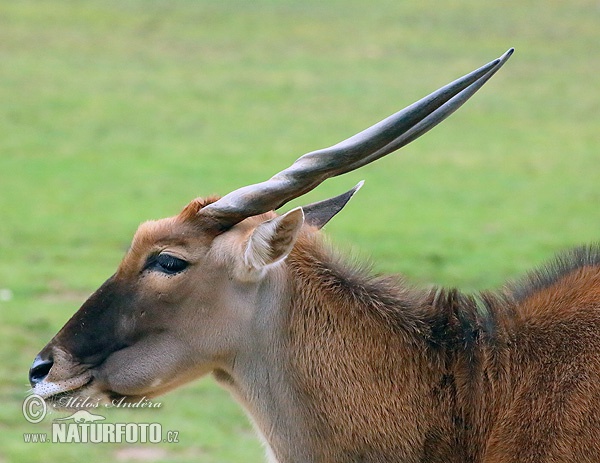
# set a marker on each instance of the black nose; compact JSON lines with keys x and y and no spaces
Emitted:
{"x":39,"y":370}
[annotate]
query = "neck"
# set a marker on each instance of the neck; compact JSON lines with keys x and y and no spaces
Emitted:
{"x":260,"y":378}
{"x":345,"y":367}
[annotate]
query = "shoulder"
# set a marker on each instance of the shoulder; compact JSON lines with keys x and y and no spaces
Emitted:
{"x":563,"y":267}
{"x":567,"y":285}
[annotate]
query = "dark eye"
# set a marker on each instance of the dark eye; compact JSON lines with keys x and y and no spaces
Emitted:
{"x":166,"y":263}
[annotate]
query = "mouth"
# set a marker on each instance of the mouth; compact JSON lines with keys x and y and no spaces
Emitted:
{"x":81,"y":396}
{"x":48,"y":389}
{"x":79,"y":392}
{"x":91,"y":395}
{"x":85,"y":397}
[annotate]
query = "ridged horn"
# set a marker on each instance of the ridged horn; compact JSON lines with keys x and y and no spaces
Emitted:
{"x":363,"y":148}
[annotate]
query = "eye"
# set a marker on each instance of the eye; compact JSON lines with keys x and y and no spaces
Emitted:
{"x":166,"y":263}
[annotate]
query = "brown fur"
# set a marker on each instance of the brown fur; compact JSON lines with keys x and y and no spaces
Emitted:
{"x":154,"y":235}
{"x":440,"y":376}
{"x":335,"y":365}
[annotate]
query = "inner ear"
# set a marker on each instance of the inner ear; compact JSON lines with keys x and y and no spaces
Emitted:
{"x":273,"y":240}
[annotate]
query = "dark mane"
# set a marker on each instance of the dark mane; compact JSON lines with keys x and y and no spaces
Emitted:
{"x":463,"y":321}
{"x":549,"y":274}
{"x":445,"y":318}
{"x":353,"y":285}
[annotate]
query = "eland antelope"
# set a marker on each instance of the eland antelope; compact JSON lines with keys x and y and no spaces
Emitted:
{"x":331,"y":363}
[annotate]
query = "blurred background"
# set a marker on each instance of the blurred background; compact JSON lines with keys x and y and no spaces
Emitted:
{"x":115,"y":112}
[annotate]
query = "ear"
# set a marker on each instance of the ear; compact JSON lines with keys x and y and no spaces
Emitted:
{"x":318,"y":214}
{"x":273,"y":240}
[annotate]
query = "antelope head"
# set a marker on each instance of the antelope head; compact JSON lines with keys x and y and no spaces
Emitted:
{"x":191,"y":292}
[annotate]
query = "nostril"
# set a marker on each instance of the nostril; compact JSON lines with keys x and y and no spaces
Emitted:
{"x":39,"y":370}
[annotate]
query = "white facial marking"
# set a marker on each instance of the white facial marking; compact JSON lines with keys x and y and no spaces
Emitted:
{"x":46,"y":388}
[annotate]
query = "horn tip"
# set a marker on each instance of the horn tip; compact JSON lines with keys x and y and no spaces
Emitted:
{"x":507,"y":54}
{"x":358,"y":186}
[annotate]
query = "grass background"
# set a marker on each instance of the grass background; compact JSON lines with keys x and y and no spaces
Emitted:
{"x":115,"y":112}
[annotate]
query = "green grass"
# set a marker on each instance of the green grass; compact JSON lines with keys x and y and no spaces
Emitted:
{"x":115,"y":112}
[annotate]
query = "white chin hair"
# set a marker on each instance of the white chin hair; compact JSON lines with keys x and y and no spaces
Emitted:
{"x":85,"y":397}
{"x":46,"y":389}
